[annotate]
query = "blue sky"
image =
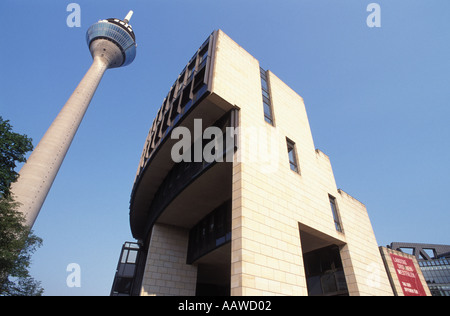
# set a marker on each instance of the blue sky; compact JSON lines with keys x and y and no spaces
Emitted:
{"x":377,"y":101}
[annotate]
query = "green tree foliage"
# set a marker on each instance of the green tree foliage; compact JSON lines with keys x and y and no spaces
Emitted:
{"x":17,"y":242}
{"x":13,"y":148}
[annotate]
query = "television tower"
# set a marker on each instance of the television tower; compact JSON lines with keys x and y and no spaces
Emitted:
{"x":112,"y":44}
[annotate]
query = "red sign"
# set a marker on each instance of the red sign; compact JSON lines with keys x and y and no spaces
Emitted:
{"x":407,"y":275}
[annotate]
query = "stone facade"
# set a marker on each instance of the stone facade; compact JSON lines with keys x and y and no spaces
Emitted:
{"x":166,"y":271}
{"x":278,"y":214}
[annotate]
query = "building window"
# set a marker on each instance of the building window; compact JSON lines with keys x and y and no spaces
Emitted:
{"x":268,"y":115}
{"x":334,"y":210}
{"x":292,"y":155}
{"x":202,"y":57}
{"x":190,"y":72}
{"x":212,"y":232}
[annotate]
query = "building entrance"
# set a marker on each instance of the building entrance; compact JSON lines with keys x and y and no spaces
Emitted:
{"x":323,"y":265}
{"x":214,"y":273}
{"x":324,"y":273}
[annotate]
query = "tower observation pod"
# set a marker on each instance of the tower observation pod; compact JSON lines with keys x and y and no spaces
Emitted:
{"x":112,"y":44}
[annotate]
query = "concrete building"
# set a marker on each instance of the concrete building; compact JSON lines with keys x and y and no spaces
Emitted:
{"x":264,"y":217}
{"x":112,"y":44}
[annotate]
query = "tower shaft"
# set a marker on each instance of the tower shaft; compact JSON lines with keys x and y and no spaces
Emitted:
{"x":112,"y":44}
{"x":37,"y":175}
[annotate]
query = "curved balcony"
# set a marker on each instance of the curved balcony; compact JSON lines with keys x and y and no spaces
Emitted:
{"x":189,"y":98}
{"x":181,"y":194}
